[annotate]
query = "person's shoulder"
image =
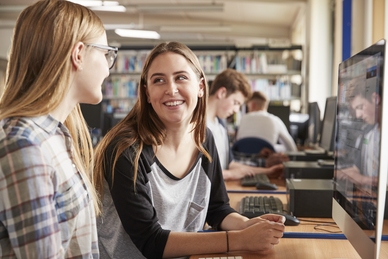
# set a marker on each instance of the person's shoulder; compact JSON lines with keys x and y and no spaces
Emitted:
{"x":21,"y":132}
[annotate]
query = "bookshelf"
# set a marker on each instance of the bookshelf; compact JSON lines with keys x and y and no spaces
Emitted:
{"x":275,"y":71}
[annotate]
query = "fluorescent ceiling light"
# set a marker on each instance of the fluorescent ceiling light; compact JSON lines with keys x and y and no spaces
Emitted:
{"x":202,"y":28}
{"x":117,"y":8}
{"x":153,"y":8}
{"x":138,"y":34}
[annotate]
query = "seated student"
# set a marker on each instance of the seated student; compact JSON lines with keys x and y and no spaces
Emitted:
{"x":228,"y":91}
{"x":261,"y":124}
{"x":159,"y":174}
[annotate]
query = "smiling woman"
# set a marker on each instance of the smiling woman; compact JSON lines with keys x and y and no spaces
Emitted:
{"x":159,"y":175}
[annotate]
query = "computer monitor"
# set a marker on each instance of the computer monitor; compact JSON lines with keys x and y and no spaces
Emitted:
{"x":92,"y":114}
{"x":314,"y":123}
{"x":360,"y":172}
{"x":110,"y":120}
{"x":326,"y":140}
{"x":281,"y":111}
{"x":299,"y":127}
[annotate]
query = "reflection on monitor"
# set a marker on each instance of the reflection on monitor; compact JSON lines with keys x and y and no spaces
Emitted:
{"x":361,"y":150}
{"x":314,"y":128}
{"x":326,"y":140}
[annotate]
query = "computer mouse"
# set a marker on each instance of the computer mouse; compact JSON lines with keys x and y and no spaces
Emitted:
{"x":266,"y":186}
{"x":291,"y":220}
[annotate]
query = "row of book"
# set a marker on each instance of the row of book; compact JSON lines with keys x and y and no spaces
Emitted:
{"x":126,"y":87}
{"x":253,"y":62}
{"x":121,"y":86}
{"x":273,"y":89}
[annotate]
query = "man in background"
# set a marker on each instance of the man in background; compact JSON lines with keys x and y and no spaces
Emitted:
{"x":229,"y":90}
{"x":261,"y":124}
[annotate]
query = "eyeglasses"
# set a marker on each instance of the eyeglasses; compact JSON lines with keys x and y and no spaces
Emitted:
{"x":110,"y":56}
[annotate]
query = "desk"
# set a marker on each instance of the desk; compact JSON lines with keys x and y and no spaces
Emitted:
{"x":296,"y":248}
{"x":306,"y":249}
{"x":235,"y":186}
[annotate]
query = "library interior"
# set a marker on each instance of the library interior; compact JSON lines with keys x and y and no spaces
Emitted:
{"x":308,"y":57}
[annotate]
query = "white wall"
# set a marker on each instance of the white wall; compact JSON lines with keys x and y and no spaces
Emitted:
{"x":5,"y":42}
{"x":337,"y":55}
{"x":320,"y":50}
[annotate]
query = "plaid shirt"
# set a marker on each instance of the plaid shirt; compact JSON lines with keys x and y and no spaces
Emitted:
{"x":45,"y":208}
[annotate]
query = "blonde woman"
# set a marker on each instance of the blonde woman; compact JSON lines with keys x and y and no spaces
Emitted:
{"x":59,"y":58}
{"x":159,"y":173}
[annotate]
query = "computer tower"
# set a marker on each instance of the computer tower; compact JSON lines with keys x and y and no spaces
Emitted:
{"x":310,"y":197}
{"x":308,"y":156}
{"x":307,"y":170}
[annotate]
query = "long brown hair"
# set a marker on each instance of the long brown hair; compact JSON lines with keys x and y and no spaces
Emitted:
{"x":142,"y":125}
{"x":38,"y":72}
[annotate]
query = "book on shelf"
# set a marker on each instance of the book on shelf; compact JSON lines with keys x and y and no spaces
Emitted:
{"x":120,"y":87}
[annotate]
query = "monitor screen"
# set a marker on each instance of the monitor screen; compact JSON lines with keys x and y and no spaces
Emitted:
{"x":282,"y":111}
{"x":361,"y":150}
{"x":326,"y":140}
{"x":314,"y":127}
{"x":92,"y":114}
{"x":110,"y":120}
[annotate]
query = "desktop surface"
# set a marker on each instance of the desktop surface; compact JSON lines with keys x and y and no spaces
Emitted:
{"x":298,"y":241}
{"x":300,"y":248}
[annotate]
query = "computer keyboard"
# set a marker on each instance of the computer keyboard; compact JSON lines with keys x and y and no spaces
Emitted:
{"x":254,"y":206}
{"x":252,"y":180}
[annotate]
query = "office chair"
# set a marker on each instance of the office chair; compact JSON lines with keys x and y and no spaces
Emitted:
{"x":251,"y":146}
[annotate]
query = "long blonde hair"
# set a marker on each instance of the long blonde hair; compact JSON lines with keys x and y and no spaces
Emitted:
{"x":142,"y":125}
{"x":38,"y":72}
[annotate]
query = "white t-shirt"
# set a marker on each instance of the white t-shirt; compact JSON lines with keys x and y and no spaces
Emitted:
{"x":262,"y":124}
{"x":222,"y":141}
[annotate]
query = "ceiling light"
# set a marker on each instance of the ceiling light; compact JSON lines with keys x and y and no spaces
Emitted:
{"x":202,"y":28}
{"x":117,"y":8}
{"x":108,"y":6}
{"x":180,"y":7}
{"x":138,"y":34}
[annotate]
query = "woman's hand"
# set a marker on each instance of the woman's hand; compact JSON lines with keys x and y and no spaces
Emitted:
{"x":261,"y":233}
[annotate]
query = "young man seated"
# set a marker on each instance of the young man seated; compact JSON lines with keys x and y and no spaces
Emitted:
{"x":229,"y":90}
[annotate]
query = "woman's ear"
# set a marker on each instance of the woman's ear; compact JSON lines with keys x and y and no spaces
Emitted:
{"x":200,"y":93}
{"x":77,"y":55}
{"x":201,"y":87}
